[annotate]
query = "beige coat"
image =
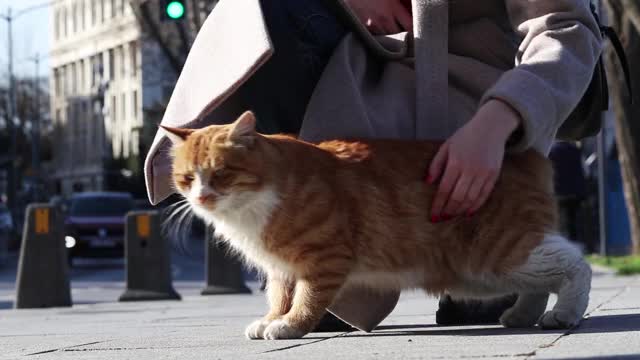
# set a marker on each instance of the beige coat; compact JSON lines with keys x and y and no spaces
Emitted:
{"x":537,"y":55}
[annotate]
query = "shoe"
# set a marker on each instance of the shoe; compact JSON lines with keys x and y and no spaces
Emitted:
{"x":472,"y":312}
{"x":330,"y":323}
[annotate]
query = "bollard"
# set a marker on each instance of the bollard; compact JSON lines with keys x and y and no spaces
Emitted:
{"x":43,"y":271}
{"x":223,"y":272}
{"x":148,"y":259}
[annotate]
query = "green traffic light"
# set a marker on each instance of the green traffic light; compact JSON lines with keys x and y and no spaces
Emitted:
{"x":175,"y":9}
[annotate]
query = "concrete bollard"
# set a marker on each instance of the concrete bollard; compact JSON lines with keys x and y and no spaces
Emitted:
{"x":223,"y":273}
{"x":43,"y":271}
{"x":148,"y":259}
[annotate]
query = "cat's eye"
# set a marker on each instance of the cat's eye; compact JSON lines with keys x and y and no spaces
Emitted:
{"x":219,"y":172}
{"x":185,"y":180}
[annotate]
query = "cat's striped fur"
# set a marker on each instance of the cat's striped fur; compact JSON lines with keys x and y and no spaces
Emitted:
{"x":316,"y":218}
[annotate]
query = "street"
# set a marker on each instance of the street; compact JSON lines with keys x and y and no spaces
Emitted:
{"x":198,"y":327}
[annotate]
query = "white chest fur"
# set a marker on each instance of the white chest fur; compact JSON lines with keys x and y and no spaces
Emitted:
{"x":241,"y":220}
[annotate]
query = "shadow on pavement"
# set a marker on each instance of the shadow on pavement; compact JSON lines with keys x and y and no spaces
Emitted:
{"x":610,"y":324}
{"x":611,"y":357}
{"x":436,"y":330}
{"x":595,"y":324}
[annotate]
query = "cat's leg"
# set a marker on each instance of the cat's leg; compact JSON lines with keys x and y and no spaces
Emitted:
{"x":526,"y":311}
{"x":280,"y":295}
{"x":313,"y":294}
{"x":557,"y":266}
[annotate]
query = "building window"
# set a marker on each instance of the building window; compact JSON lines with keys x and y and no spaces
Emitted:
{"x":121,"y":62}
{"x":56,"y":24}
{"x":82,"y":17}
{"x":83,"y":71}
{"x":113,"y":8}
{"x":74,"y":18}
{"x":58,"y":118}
{"x":124,"y":107}
{"x":133,"y":55}
{"x":134,"y":104}
{"x":102,"y":11}
{"x":92,"y":7}
{"x":61,"y":80}
{"x":111,"y":65}
{"x":63,"y":22}
{"x":73,"y":78}
{"x":113,"y":109}
{"x":56,"y":81}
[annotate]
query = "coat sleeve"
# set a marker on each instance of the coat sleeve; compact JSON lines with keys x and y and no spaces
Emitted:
{"x":561,"y":44}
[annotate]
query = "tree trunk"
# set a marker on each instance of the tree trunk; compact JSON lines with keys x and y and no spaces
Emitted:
{"x":624,"y":17}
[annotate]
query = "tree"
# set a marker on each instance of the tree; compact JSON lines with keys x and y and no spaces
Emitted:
{"x":173,"y":37}
{"x":624,"y":17}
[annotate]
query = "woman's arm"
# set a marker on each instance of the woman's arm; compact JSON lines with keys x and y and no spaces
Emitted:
{"x":555,"y":62}
{"x":561,"y":44}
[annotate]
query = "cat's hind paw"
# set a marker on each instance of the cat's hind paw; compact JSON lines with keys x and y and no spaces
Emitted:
{"x":513,"y":318}
{"x":256,"y":329}
{"x":556,"y":319}
{"x":280,"y":329}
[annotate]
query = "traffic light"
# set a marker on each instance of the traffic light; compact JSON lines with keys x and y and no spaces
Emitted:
{"x":173,"y":9}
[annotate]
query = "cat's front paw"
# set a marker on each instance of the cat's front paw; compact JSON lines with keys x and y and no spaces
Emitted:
{"x":256,"y":329}
{"x":280,"y":329}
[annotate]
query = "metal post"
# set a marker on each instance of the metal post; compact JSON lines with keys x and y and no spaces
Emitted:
{"x":602,"y":200}
{"x":602,"y":159}
{"x":35,"y":128}
{"x":12,"y":178}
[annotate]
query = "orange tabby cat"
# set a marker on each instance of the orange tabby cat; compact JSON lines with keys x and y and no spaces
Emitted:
{"x":317,"y":218}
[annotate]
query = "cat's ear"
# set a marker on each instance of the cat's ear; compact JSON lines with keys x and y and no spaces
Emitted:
{"x":244,"y":128}
{"x":177,"y":136}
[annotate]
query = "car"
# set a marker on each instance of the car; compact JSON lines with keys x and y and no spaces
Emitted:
{"x":95,"y":222}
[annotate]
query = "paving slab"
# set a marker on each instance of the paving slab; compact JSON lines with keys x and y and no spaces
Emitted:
{"x":212,"y":328}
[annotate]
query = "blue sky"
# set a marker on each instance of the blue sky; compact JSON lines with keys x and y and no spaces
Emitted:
{"x":31,"y":35}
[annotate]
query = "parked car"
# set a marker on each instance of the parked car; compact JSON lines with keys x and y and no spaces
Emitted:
{"x":95,"y":224}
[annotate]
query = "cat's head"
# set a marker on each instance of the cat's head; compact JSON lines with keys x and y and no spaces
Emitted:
{"x":219,"y":168}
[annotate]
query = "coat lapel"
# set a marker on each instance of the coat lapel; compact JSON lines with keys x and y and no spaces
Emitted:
{"x":232,"y":44}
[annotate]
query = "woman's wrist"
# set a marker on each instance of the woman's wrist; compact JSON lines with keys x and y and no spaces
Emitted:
{"x":499,"y":117}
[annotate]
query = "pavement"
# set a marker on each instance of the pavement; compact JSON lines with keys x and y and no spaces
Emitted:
{"x":198,"y":327}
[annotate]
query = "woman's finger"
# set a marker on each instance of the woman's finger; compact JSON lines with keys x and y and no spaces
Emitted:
{"x":449,"y":180}
{"x":438,"y":163}
{"x":486,"y":191}
{"x":458,"y":196}
{"x":473,"y":195}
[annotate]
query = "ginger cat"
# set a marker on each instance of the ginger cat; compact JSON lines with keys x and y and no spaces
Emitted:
{"x":317,"y":218}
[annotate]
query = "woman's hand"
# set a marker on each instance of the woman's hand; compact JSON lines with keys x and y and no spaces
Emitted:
{"x":468,"y":163}
{"x":383,"y":16}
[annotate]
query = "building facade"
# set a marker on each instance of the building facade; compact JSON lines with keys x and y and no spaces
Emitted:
{"x":104,"y":75}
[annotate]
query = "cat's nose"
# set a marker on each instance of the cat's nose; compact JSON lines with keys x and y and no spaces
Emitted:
{"x":204,"y":198}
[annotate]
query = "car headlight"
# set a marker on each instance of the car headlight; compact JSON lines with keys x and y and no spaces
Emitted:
{"x":69,"y":242}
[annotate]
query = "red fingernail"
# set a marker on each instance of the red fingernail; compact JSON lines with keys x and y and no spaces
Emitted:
{"x":435,"y":219}
{"x":470,"y":213}
{"x":447,"y":217}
